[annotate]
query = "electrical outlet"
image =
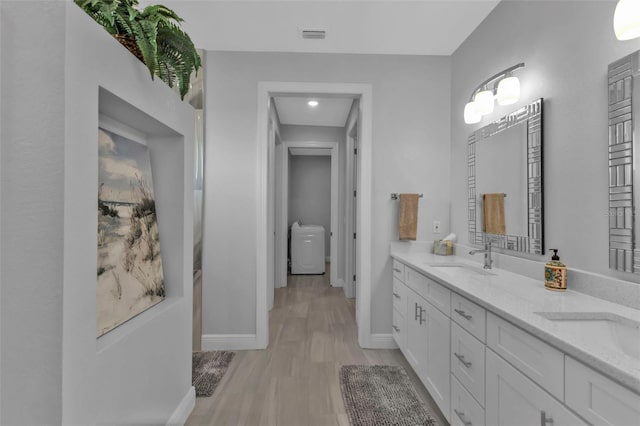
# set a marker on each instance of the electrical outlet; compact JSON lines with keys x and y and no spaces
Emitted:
{"x":436,"y":226}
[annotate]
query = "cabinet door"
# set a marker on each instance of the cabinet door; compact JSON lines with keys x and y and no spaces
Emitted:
{"x":513,"y":399}
{"x":436,"y":365}
{"x":597,"y":398}
{"x":416,"y":336}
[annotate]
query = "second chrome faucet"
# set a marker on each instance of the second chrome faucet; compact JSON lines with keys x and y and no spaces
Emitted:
{"x":487,"y":255}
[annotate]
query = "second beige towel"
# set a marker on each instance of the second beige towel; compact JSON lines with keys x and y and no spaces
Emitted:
{"x":408,"y":224}
{"x":493,"y":213}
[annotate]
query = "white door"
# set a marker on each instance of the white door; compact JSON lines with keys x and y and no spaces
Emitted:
{"x":513,"y":399}
{"x":436,"y":365}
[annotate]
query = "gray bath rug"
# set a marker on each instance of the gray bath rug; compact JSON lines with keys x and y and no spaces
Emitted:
{"x":382,"y":395}
{"x":207,"y":370}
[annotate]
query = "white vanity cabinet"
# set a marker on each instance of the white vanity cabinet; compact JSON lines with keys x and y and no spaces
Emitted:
{"x":483,"y":369}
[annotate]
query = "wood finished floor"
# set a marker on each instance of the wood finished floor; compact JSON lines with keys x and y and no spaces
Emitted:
{"x":312,"y":333}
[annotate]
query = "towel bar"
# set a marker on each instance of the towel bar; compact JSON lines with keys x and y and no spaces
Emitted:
{"x":395,"y":196}
{"x":505,"y":195}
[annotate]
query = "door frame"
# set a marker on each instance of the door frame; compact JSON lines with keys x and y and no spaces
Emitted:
{"x":281,"y":238}
{"x":266,"y":90}
{"x":349,"y":287}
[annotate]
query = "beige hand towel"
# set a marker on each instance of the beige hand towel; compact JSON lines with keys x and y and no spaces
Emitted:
{"x":408,"y":226}
{"x":493,"y":213}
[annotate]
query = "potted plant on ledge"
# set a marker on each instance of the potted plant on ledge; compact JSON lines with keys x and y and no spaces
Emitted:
{"x":152,"y":34}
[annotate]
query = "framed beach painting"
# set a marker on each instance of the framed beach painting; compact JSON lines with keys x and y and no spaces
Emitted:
{"x":130,"y":278}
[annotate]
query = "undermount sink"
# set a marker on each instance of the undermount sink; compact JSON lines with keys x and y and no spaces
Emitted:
{"x":460,"y":266}
{"x":603,"y":327}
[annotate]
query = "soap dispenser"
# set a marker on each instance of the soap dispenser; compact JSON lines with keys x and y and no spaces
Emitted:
{"x":555,"y":273}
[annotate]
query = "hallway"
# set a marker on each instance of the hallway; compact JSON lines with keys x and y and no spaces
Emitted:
{"x":295,"y":381}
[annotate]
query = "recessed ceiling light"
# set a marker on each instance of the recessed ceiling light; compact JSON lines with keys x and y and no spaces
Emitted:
{"x":312,"y":103}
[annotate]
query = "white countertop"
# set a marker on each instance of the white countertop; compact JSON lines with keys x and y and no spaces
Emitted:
{"x":516,"y":298}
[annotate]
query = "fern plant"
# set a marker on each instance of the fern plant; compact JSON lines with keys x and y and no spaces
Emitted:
{"x":166,"y":50}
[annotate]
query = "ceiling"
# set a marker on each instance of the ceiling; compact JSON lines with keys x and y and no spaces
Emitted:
{"x":414,"y":27}
{"x":329,"y":112}
{"x":417,"y":27}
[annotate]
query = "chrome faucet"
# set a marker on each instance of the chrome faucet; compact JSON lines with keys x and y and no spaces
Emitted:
{"x":487,"y":255}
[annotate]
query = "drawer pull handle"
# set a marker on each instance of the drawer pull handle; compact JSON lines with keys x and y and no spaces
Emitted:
{"x":461,"y":417}
{"x":463,"y":314}
{"x":397,"y":270}
{"x":544,"y":420}
{"x":422,"y":311}
{"x":467,"y":364}
{"x":396,"y":295}
{"x":396,"y":329}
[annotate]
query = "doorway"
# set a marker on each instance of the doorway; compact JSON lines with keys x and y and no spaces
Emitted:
{"x":363,"y":92}
{"x":307,"y":149}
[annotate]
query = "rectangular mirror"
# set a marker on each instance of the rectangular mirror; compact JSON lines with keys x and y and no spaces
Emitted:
{"x":506,"y":157}
{"x":624,"y":254}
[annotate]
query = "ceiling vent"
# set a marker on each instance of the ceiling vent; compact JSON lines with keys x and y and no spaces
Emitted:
{"x":313,"y":34}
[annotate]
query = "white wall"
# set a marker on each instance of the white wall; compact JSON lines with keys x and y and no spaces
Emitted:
{"x":310,"y":196}
{"x":54,"y":370}
{"x":410,"y":154}
{"x":32,"y":214}
{"x":566,"y":47}
{"x":294,"y":133}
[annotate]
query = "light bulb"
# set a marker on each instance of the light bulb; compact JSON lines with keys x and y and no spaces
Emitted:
{"x":626,"y":19}
{"x":312,"y":103}
{"x":508,"y":91}
{"x":484,"y":102}
{"x":471,"y":114}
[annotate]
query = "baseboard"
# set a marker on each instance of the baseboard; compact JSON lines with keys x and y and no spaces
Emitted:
{"x":382,"y":341}
{"x":229,"y":342}
{"x":184,"y":409}
{"x":338,"y":283}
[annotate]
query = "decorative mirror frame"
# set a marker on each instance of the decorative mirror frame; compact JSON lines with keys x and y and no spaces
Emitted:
{"x":533,"y":242}
{"x":623,"y":254}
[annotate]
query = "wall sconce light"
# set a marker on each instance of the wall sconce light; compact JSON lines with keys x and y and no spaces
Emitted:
{"x":626,"y":19}
{"x":506,"y":88}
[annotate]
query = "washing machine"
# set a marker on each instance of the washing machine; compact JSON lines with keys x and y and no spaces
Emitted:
{"x":307,"y":249}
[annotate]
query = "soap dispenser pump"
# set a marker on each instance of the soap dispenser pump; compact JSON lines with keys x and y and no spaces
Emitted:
{"x":555,"y":273}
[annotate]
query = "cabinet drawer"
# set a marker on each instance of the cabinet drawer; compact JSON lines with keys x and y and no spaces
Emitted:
{"x":465,"y":410}
{"x":398,"y":270}
{"x":513,"y":399}
{"x":536,"y":359}
{"x":597,"y":398}
{"x":438,"y":295}
{"x":399,"y":296}
{"x":469,"y":315}
{"x":399,"y":325}
{"x":467,"y":361}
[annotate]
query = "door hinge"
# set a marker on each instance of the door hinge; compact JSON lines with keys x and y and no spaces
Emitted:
{"x":331,"y":234}
{"x":355,"y":151}
{"x":354,"y":235}
{"x":355,"y":193}
{"x":354,"y":277}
